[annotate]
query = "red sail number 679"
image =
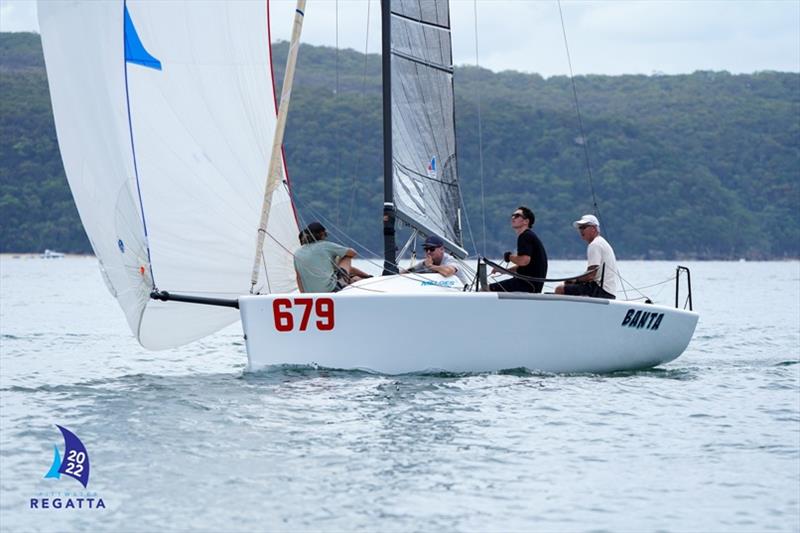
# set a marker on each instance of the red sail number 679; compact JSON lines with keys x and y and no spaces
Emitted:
{"x":284,"y":317}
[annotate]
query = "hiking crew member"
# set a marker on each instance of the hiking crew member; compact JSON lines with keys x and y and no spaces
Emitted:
{"x":530,"y":259}
{"x":601,"y":264}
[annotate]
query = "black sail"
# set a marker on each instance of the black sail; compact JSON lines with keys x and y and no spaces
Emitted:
{"x":425,"y":173}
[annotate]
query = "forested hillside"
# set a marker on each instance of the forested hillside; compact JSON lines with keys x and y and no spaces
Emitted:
{"x":705,"y":165}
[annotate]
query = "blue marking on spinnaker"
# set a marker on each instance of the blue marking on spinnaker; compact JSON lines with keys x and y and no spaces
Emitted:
{"x":134,"y":49}
{"x":53,"y":472}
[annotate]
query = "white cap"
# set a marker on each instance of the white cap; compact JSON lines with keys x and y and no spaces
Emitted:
{"x":586,"y":220}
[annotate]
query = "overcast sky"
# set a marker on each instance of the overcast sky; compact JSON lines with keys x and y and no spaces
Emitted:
{"x":605,"y":36}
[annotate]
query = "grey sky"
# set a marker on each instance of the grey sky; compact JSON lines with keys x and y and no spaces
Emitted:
{"x":605,"y":36}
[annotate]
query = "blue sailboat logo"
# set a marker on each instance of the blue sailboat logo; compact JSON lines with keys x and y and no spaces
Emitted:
{"x":76,"y":459}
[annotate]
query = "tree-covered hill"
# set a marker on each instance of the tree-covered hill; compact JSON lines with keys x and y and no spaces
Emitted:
{"x":705,"y":165}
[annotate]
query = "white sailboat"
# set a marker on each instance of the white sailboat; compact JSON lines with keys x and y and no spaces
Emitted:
{"x":166,"y":119}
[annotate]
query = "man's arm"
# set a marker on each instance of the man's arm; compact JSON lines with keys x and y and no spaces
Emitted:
{"x":413,"y":268}
{"x":516,"y":262}
{"x":444,"y":270}
{"x":593,"y":259}
{"x":520,"y":260}
{"x":591,"y":271}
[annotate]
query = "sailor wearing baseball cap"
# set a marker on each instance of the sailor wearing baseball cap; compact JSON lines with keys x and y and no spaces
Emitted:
{"x":601,"y":280}
{"x":322,"y":265}
{"x":586,"y":220}
{"x":438,"y":261}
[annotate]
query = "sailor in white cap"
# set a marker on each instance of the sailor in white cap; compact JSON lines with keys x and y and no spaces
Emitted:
{"x":601,"y":278}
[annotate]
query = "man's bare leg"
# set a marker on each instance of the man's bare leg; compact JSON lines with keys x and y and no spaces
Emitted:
{"x":355,"y":273}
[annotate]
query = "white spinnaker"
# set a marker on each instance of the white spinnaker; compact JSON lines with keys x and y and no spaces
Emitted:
{"x":200,"y":130}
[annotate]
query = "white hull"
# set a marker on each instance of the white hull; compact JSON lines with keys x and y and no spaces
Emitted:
{"x":414,"y":326}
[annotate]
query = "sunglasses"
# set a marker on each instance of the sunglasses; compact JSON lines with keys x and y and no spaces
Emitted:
{"x":431,"y":249}
{"x":516,"y":215}
{"x":583,"y":227}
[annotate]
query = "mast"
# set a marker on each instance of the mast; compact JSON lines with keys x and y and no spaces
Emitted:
{"x":389,"y":247}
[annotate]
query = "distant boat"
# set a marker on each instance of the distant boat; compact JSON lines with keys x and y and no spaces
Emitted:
{"x":52,"y":254}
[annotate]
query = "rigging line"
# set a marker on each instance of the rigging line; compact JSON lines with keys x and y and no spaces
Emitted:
{"x":480,"y":131}
{"x":463,"y":204}
{"x":266,"y":273}
{"x":338,"y":179}
{"x":634,"y":287}
{"x":460,"y":200}
{"x":278,"y":242}
{"x":584,"y":140}
{"x":622,"y":284}
{"x":411,"y":240}
{"x":353,"y":187}
{"x":330,"y":225}
{"x":133,"y":149}
{"x":337,"y":231}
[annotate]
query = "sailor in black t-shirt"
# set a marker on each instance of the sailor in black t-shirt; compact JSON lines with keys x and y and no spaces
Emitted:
{"x":530,"y":259}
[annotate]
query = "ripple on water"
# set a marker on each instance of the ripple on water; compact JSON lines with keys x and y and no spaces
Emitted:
{"x":186,"y":439}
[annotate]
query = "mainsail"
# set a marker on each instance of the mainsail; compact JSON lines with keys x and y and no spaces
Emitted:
{"x":423,"y":125}
{"x":165,"y":115}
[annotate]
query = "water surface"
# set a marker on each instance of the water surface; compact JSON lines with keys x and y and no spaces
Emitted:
{"x":185,"y":440}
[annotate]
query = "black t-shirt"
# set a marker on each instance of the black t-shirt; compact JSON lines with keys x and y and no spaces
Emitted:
{"x":529,"y":244}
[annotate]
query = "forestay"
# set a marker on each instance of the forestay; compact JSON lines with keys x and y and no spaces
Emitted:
{"x":165,"y":114}
{"x":423,"y":125}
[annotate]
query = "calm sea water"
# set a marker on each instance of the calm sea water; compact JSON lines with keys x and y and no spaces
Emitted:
{"x":185,"y":440}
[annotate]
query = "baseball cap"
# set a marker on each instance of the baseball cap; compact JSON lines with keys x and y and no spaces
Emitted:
{"x":433,"y":242}
{"x":586,"y":220}
{"x":316,"y":227}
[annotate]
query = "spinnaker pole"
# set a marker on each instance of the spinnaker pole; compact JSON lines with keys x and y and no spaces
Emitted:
{"x":275,"y":175}
{"x":389,"y":246}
